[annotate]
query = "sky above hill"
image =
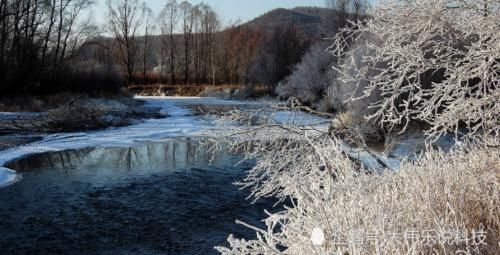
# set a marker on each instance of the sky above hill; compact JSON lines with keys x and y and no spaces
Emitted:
{"x":229,"y":10}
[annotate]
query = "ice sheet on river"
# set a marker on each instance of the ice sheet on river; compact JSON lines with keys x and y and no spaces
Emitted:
{"x":182,"y":121}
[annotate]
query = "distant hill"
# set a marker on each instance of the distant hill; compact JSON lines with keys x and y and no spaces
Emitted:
{"x":241,"y":49}
{"x":311,"y":21}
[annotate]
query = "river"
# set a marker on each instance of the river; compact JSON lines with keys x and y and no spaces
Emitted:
{"x":150,"y":188}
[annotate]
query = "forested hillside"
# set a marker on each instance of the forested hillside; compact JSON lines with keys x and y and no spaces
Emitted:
{"x":199,"y":51}
{"x":51,"y":46}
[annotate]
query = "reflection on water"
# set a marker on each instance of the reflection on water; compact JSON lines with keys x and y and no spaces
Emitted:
{"x":117,"y":163}
{"x":161,"y":198}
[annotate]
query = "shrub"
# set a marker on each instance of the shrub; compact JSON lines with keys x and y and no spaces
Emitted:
{"x":440,"y":203}
{"x":453,"y":197}
{"x":89,"y":116}
{"x":310,"y":78}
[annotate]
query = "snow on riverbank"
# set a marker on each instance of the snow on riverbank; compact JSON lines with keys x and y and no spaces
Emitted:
{"x":182,"y":121}
{"x":7,"y":177}
{"x":16,"y":115}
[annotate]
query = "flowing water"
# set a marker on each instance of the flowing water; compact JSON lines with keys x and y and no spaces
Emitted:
{"x":167,"y":195}
{"x":151,"y":188}
{"x":155,"y":198}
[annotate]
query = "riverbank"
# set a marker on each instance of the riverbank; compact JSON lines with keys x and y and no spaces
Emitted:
{"x":224,"y":91}
{"x":184,"y":120}
{"x":187,"y":118}
{"x":24,"y":120}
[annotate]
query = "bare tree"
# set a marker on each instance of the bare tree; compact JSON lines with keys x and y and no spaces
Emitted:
{"x":198,"y":26}
{"x":69,"y":11}
{"x":37,"y":36}
{"x":168,"y":21}
{"x":125,"y":18}
{"x":340,"y":9}
{"x":344,"y":11}
{"x":278,"y":53}
{"x":197,"y":16}
{"x":210,"y":27}
{"x":51,"y":19}
{"x":62,"y":5}
{"x":147,"y":49}
{"x":186,"y":15}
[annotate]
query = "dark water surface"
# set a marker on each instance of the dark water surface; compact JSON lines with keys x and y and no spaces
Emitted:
{"x":158,"y":198}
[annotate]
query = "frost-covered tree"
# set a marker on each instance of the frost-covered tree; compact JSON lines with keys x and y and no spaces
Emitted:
{"x":277,"y":54}
{"x":425,"y":60}
{"x":342,"y":91}
{"x":310,"y":77}
{"x":334,"y":206}
{"x":431,"y":61}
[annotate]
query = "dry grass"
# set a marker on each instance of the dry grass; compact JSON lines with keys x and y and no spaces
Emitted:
{"x":433,"y":206}
{"x":178,"y":89}
{"x":440,"y":203}
{"x":204,"y":90}
{"x":81,"y":118}
{"x":355,"y":129}
{"x":35,"y":103}
{"x":71,"y":112}
{"x":48,"y":102}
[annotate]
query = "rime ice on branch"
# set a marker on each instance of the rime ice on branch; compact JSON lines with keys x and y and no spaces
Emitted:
{"x":430,"y":61}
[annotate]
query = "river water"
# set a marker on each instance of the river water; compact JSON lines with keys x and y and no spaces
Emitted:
{"x":151,"y":188}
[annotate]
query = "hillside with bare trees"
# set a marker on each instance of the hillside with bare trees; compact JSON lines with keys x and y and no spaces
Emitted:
{"x":187,"y":45}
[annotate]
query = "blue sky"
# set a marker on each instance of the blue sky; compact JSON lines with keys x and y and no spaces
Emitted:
{"x":229,"y":10}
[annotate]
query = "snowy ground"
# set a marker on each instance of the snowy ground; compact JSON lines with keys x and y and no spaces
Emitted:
{"x":182,"y":121}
